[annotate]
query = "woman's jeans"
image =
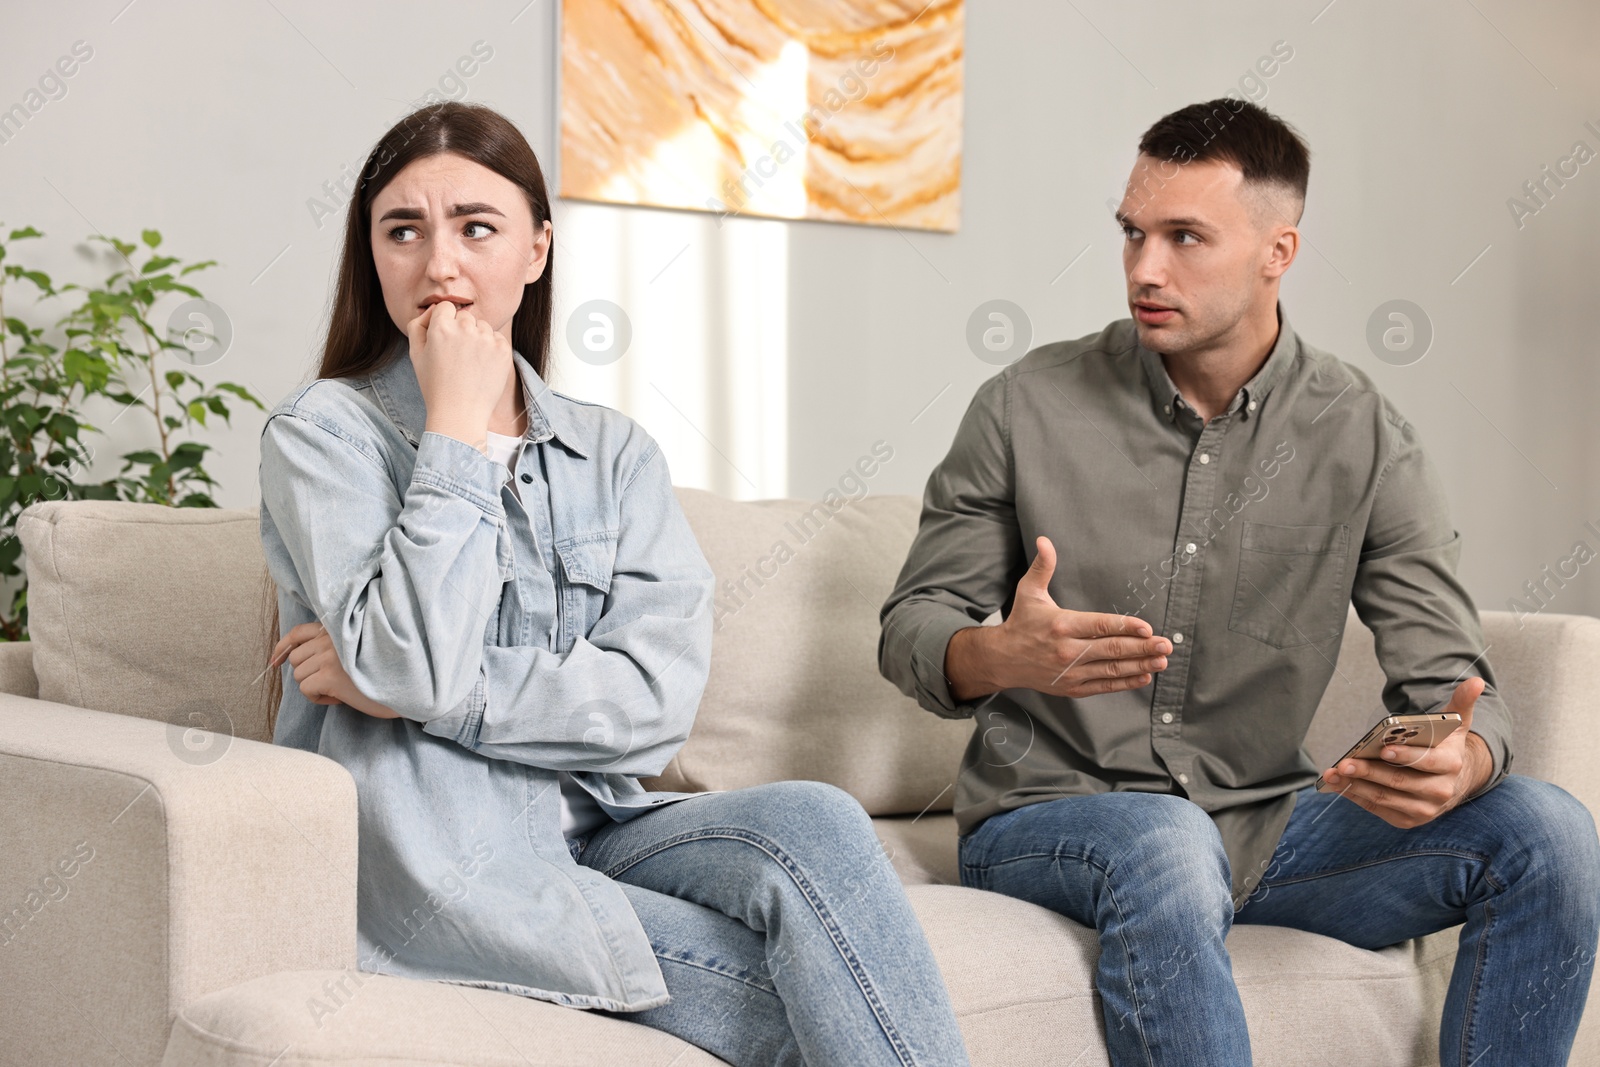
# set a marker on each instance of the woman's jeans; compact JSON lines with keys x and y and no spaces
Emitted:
{"x":1519,"y":865}
{"x":783,"y":932}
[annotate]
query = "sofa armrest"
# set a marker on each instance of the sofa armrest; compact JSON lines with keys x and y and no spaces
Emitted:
{"x":16,"y":669}
{"x":1548,"y":670}
{"x":146,"y":866}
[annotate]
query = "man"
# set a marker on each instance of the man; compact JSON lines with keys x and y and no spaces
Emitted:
{"x":1203,"y":495}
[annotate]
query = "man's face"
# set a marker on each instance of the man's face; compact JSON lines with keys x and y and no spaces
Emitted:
{"x":1199,"y":251}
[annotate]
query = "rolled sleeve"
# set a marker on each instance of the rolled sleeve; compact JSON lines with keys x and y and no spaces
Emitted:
{"x":1426,"y":627}
{"x":927,"y":658}
{"x":453,"y":466}
{"x":462,"y":722}
{"x":964,"y":562}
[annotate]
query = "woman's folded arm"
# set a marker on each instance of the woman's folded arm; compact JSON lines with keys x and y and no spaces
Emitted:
{"x":623,"y":698}
{"x":405,"y":586}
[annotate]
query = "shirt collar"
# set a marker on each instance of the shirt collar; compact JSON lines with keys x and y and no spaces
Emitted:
{"x":1251,"y":395}
{"x":400,"y":395}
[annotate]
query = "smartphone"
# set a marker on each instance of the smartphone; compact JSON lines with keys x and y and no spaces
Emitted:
{"x":1414,"y":731}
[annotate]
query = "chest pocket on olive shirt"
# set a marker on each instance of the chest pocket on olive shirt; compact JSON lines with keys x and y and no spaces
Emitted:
{"x":586,"y":563}
{"x":1290,"y":590}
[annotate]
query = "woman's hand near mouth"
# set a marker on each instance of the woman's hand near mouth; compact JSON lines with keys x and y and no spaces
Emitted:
{"x":462,"y":365}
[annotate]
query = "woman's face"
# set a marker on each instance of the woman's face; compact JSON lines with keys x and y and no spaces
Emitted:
{"x":447,"y":227}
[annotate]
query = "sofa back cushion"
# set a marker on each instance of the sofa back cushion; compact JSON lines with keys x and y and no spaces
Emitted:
{"x":150,"y":611}
{"x":794,"y":690}
{"x":159,"y":612}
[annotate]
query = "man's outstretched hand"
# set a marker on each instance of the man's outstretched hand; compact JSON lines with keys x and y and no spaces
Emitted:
{"x":1053,"y":649}
{"x":1410,"y":786}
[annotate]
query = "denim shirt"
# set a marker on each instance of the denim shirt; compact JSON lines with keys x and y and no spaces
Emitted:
{"x":420,"y":561}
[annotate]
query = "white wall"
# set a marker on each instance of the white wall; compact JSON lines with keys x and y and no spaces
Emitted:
{"x":768,"y":356}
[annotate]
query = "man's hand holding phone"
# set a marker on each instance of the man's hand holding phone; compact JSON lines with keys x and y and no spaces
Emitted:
{"x":1409,"y":786}
{"x":1046,"y":647}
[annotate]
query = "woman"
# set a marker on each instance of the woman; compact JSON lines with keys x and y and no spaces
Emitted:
{"x":499,"y":618}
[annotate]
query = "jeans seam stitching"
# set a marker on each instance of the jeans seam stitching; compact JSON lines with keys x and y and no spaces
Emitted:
{"x":743,"y":977}
{"x":1055,"y":857}
{"x":1105,"y":874}
{"x":791,"y":868}
{"x":1469,"y":1014}
{"x":1418,"y":854}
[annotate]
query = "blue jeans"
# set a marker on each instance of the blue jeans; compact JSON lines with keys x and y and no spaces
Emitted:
{"x":1520,"y":866}
{"x":782,"y":930}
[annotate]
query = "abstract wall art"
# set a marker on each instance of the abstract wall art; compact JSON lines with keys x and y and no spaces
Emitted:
{"x":843,"y":110}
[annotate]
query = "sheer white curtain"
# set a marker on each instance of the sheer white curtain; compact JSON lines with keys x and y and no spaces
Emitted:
{"x":706,"y":369}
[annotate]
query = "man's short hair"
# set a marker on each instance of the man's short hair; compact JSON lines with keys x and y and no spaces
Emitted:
{"x":1263,"y":146}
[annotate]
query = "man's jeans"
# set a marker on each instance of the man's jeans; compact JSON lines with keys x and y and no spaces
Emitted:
{"x":1519,"y":865}
{"x":783,"y":933}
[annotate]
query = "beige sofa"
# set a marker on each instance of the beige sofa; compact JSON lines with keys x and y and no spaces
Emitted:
{"x":177,"y":896}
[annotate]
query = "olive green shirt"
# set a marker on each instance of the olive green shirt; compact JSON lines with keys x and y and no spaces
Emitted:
{"x":1243,"y":540}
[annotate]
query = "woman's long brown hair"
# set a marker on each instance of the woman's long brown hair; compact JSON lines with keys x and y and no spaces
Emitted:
{"x":360,"y":332}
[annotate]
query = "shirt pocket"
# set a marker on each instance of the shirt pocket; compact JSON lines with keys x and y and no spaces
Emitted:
{"x":586,"y":564}
{"x":1290,"y":589}
{"x":505,"y":552}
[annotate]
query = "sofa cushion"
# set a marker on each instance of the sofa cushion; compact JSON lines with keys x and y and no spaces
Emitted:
{"x":317,"y":1018}
{"x":16,"y":669}
{"x":794,"y":690}
{"x":150,"y":611}
{"x":1020,"y":978}
{"x":160,"y":613}
{"x":157,"y":612}
{"x":922,"y":848}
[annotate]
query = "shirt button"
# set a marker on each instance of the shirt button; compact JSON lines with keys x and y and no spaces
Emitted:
{"x":1178,"y":402}
{"x":1167,"y":408}
{"x":1251,"y":406}
{"x":1177,"y":639}
{"x":1166,"y":716}
{"x":1189,"y":548}
{"x":1205,"y":457}
{"x":527,"y":478}
{"x":1183,"y":779}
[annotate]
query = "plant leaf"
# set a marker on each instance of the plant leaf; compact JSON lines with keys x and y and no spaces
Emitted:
{"x":165,"y":282}
{"x":62,"y":425}
{"x":242,"y":393}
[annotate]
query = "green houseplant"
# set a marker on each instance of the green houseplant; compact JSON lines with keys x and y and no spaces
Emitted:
{"x":102,"y":345}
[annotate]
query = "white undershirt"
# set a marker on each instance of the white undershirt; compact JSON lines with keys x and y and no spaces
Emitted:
{"x":580,"y":812}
